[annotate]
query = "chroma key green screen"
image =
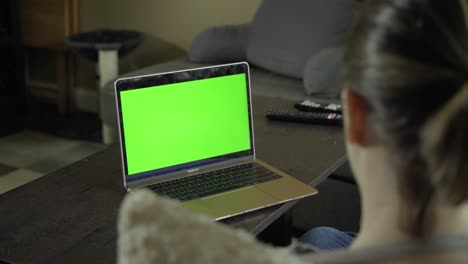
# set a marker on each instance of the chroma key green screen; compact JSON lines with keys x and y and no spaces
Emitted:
{"x":177,"y":123}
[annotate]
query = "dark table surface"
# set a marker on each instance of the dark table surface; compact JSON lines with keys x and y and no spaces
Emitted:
{"x":69,"y":216}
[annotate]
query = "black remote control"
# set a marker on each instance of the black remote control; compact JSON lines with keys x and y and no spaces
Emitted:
{"x":332,"y":119}
{"x":310,"y":106}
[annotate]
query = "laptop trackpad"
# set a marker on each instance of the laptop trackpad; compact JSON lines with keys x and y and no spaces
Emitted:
{"x":229,"y":203}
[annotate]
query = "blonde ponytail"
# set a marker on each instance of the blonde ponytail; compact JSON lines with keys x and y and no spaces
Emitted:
{"x":445,"y":148}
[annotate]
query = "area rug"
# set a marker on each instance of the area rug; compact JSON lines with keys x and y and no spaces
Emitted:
{"x":29,"y":155}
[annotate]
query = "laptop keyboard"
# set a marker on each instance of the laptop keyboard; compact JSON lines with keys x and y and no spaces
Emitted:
{"x":213,"y":182}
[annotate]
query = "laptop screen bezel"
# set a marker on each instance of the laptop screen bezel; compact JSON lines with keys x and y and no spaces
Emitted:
{"x":154,"y":80}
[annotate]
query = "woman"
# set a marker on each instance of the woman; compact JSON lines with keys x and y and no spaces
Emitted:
{"x":406,"y":109}
{"x":405,"y":102}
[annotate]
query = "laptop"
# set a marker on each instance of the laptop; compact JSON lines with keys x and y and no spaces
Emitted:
{"x":189,"y":135}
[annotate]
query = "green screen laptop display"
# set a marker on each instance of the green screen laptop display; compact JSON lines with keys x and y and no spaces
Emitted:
{"x":182,"y":122}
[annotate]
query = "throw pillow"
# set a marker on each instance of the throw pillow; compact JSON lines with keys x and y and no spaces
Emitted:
{"x":153,"y":229}
{"x":284,"y":34}
{"x":322,"y":73}
{"x":220,"y":44}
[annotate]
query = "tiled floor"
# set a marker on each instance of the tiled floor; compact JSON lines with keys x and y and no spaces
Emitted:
{"x":28,"y":155}
{"x":17,"y":178}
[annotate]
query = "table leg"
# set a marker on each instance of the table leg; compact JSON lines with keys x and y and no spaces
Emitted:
{"x":108,"y":67}
{"x":109,"y":134}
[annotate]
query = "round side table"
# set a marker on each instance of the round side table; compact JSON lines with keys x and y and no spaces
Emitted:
{"x":105,"y":47}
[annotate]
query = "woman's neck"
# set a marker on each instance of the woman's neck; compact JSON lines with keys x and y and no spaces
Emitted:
{"x":380,"y":200}
{"x":381,"y":204}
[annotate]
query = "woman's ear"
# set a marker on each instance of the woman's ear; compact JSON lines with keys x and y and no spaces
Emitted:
{"x":355,"y":116}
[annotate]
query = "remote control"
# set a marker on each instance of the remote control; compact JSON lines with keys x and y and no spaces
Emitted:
{"x":310,"y":106}
{"x":332,"y":119}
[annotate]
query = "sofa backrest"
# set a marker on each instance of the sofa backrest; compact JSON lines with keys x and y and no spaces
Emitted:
{"x":284,"y":34}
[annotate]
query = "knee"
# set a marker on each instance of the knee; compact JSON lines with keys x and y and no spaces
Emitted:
{"x":326,"y":238}
{"x":318,"y":234}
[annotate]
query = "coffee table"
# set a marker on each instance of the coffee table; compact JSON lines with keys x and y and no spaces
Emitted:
{"x":69,"y":216}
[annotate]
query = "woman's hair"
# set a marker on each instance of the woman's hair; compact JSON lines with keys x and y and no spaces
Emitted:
{"x":409,"y":60}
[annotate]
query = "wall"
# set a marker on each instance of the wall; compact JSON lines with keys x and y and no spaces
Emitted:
{"x":169,"y":25}
{"x":175,"y":21}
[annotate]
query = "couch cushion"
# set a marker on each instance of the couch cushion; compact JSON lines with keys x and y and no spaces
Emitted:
{"x":220,"y":44}
{"x":266,"y":83}
{"x":284,"y":34}
{"x":322,"y":73}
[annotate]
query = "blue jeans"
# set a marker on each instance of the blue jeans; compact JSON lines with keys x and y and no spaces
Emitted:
{"x":327,"y":238}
